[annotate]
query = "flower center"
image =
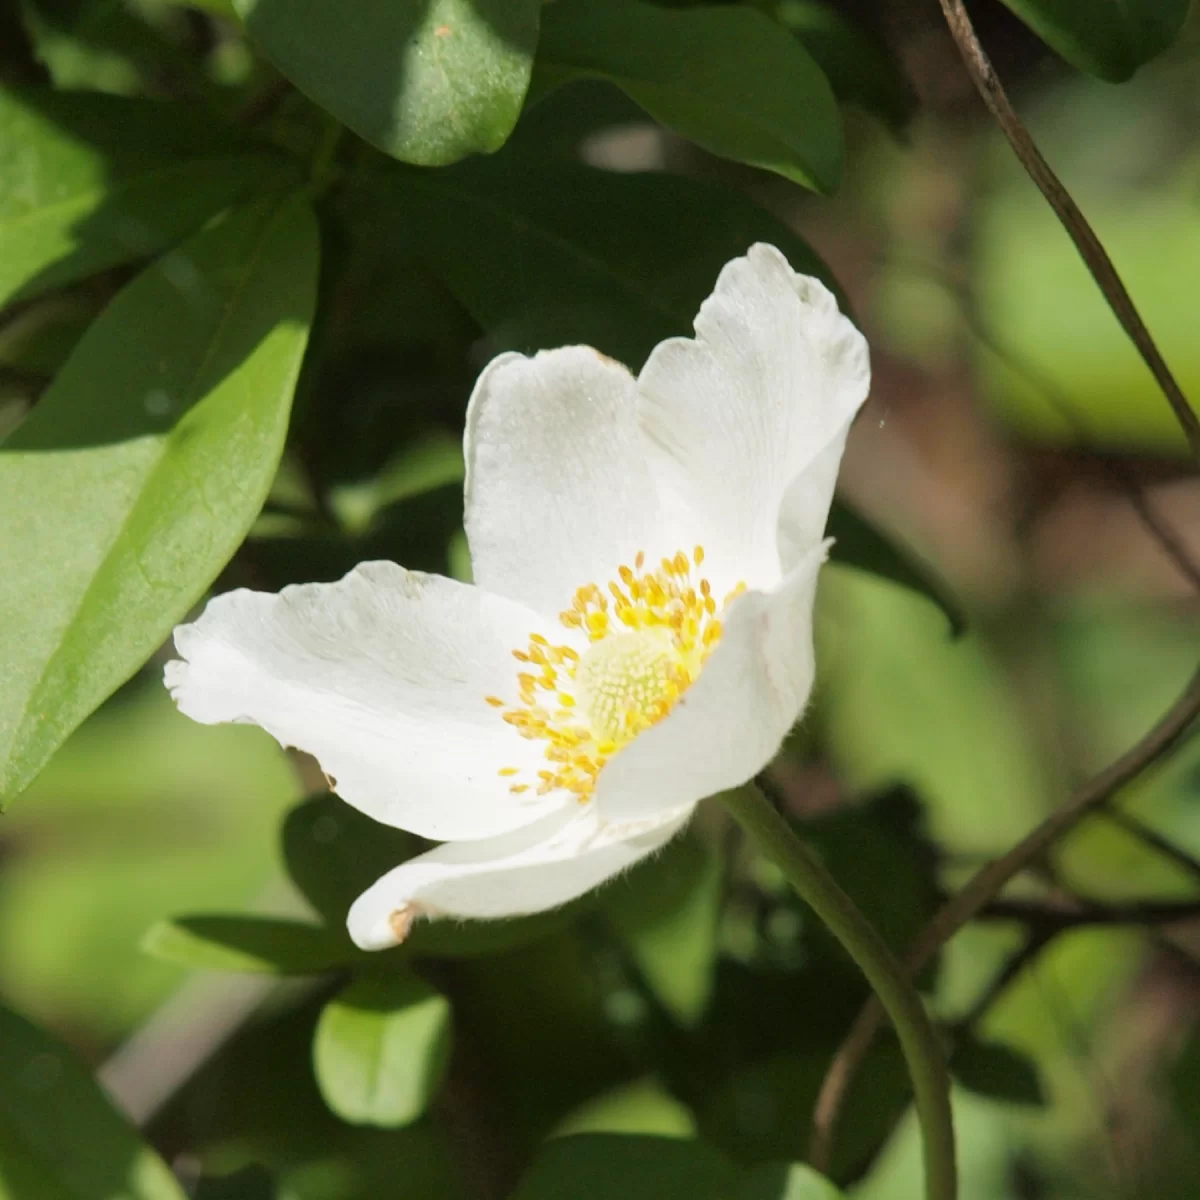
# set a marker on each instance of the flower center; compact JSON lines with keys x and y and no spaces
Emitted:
{"x":649,"y":634}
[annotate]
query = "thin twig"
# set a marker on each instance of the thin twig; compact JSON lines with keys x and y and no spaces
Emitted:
{"x":1152,"y":838}
{"x":986,"y":884}
{"x":1049,"y":917}
{"x":1025,"y":954}
{"x":1096,"y":258}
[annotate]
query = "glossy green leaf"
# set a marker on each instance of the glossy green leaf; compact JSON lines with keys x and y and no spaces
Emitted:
{"x":1108,"y":38}
{"x":142,"y":467}
{"x":426,"y":81}
{"x":381,"y":1049}
{"x":549,"y":253}
{"x":728,"y":78}
{"x":860,"y":544}
{"x":60,"y":1136}
{"x":95,"y":181}
{"x":254,"y":945}
{"x":666,"y":912}
{"x":995,"y":1070}
{"x":792,"y":1181}
{"x":859,"y":69}
{"x":599,"y":1166}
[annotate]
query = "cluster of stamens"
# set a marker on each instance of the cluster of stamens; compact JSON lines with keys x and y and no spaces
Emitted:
{"x":649,"y":634}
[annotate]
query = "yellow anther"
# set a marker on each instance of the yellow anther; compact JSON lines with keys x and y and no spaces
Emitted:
{"x":509,"y":771}
{"x":641,"y":655}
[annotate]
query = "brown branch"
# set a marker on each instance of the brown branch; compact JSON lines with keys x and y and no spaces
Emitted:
{"x":986,"y":884}
{"x":988,"y":84}
{"x":1045,"y":918}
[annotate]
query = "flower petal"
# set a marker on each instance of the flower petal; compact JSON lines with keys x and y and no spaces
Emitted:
{"x":383,"y":677}
{"x":772,"y":379}
{"x":530,"y":871}
{"x":558,"y":492}
{"x":730,"y":722}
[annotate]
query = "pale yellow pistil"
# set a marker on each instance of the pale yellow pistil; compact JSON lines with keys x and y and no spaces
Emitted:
{"x":649,"y":634}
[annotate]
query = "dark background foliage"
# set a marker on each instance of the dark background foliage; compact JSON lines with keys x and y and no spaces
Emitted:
{"x":253,"y":254}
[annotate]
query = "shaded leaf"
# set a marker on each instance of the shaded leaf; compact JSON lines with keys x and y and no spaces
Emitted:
{"x":728,"y":78}
{"x":426,"y":81}
{"x":860,"y":544}
{"x":381,"y":1049}
{"x":550,"y":253}
{"x":792,"y":1181}
{"x":599,"y":1166}
{"x":1108,"y":38}
{"x":859,"y":69}
{"x":257,"y":945}
{"x":764,"y":1112}
{"x":95,"y":181}
{"x":999,"y":1071}
{"x":169,"y":418}
{"x":334,"y":853}
{"x":666,"y":913}
{"x":60,"y":1136}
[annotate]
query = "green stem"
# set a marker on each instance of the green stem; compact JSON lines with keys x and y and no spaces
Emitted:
{"x":922,"y":1051}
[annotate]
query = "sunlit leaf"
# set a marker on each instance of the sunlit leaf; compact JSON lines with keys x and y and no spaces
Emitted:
{"x":94,"y":181}
{"x":60,"y":1136}
{"x":381,"y":1049}
{"x":256,"y":945}
{"x":728,"y":78}
{"x":427,"y":81}
{"x":141,"y":469}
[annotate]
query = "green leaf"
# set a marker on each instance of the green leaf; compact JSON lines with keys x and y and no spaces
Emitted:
{"x":1108,"y":38}
{"x":169,"y":419}
{"x":334,"y":853}
{"x":666,"y":913}
{"x":786,"y":1182}
{"x":426,"y":81}
{"x":859,"y":69}
{"x":995,"y":1070}
{"x":60,"y":1137}
{"x":253,"y":945}
{"x":381,"y":1050}
{"x":549,"y":253}
{"x":859,"y":544}
{"x":728,"y":78}
{"x":96,"y":181}
{"x":599,"y":1166}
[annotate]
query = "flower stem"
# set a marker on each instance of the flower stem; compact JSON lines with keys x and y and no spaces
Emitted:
{"x":922,"y":1051}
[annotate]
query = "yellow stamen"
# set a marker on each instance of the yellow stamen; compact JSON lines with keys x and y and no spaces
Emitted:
{"x":648,"y":636}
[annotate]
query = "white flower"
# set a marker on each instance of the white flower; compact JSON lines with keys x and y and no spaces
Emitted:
{"x":639,"y":635}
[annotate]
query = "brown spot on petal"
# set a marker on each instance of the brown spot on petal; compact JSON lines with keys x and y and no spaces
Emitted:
{"x":402,"y":920}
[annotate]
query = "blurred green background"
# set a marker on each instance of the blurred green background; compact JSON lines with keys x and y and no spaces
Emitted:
{"x":1007,"y":416}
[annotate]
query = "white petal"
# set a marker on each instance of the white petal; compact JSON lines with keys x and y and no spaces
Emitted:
{"x":530,"y":871}
{"x":772,"y":379}
{"x":383,"y":677}
{"x":558,"y":492}
{"x":730,"y":722}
